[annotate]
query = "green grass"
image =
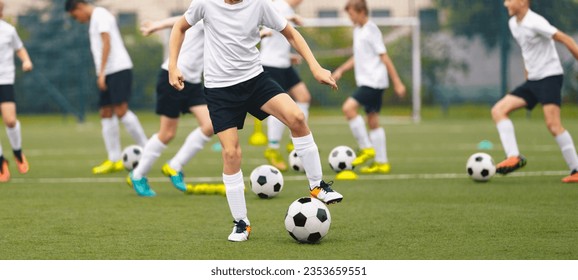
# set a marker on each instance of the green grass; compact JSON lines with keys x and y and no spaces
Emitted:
{"x":426,"y":209}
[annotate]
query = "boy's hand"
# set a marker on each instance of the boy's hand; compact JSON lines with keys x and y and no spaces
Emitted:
{"x":337,"y":74}
{"x":399,"y":89}
{"x":101,"y":82}
{"x":176,"y":79}
{"x":27,"y":66}
{"x":147,"y":28}
{"x":323,"y":76}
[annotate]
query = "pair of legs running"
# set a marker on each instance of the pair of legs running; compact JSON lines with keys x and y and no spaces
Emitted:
{"x":15,"y":137}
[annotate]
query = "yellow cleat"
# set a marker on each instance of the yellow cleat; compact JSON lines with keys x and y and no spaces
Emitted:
{"x":376,"y":168}
{"x":108,"y":167}
{"x":364,"y":155}
{"x":275,"y":159}
{"x":290,"y":147}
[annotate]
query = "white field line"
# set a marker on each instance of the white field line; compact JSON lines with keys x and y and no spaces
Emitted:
{"x":122,"y":180}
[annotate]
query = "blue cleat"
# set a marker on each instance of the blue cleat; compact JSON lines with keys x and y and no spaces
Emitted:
{"x":177,"y":177}
{"x":141,"y":187}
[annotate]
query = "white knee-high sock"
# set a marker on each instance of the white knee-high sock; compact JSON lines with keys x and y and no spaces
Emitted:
{"x":275,"y":129}
{"x":357,"y":126}
{"x":380,"y":144}
{"x":151,"y":152}
{"x":134,"y":128}
{"x":110,"y":134}
{"x":235,"y":188}
{"x":568,"y":149}
{"x":308,"y":152}
{"x":508,"y":137}
{"x":305,"y":108}
{"x":15,"y":136}
{"x":193,"y":144}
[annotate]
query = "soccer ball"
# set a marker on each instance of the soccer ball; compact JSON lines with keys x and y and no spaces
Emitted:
{"x":340,"y":158}
{"x":295,"y":162}
{"x":480,"y":167}
{"x":130,"y":156}
{"x":307,"y":220}
{"x":266,"y":181}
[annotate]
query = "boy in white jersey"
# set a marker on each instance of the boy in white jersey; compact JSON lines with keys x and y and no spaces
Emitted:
{"x":170,"y":104}
{"x":544,"y":76}
{"x":372,"y":66}
{"x":9,"y":44}
{"x":235,"y":85}
{"x":276,"y":58}
{"x":114,"y":72}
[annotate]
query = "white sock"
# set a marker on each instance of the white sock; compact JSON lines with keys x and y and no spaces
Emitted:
{"x":110,"y":134}
{"x":308,"y":152}
{"x":14,"y":136}
{"x":134,"y":128}
{"x":151,"y":152}
{"x":305,"y":108}
{"x":235,"y":187}
{"x":378,"y":140}
{"x":193,"y":144}
{"x":275,"y":129}
{"x":508,"y":137}
{"x":568,"y":150}
{"x":1,"y":152}
{"x":357,"y":126}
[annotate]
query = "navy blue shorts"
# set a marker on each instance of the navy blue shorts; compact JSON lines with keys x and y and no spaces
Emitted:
{"x":544,"y":91}
{"x":119,"y":88}
{"x":369,"y":98}
{"x":287,"y":78}
{"x":228,"y":106}
{"x":7,"y":93}
{"x":171,"y":102}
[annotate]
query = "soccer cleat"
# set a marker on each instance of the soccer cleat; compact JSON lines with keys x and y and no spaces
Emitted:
{"x":241,"y":231}
{"x":511,"y":164}
{"x":376,"y":168}
{"x":290,"y":147}
{"x":364,"y":155}
{"x":4,"y":172}
{"x":324,"y":193}
{"x":572,"y":178}
{"x":107,"y":167}
{"x":23,"y":166}
{"x":175,"y":176}
{"x":275,"y":159}
{"x":141,"y":186}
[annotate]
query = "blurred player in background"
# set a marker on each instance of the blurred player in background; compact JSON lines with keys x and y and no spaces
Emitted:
{"x":372,"y":66}
{"x":9,"y":44}
{"x":114,"y":72}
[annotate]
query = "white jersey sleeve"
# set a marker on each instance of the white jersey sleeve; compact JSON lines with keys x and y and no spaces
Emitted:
{"x":543,"y":27}
{"x":376,"y":40}
{"x":195,"y":13}
{"x":16,"y":42}
{"x":271,"y":17}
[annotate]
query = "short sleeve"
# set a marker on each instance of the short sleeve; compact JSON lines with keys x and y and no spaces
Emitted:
{"x":195,"y":12}
{"x":271,"y":17}
{"x":104,"y":22}
{"x":16,"y":42}
{"x":544,"y":28}
{"x":376,"y":41}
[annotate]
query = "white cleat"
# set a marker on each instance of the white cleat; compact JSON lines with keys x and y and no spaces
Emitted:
{"x":241,"y":231}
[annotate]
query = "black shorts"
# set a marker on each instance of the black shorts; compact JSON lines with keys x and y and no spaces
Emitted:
{"x":544,"y":91}
{"x":287,"y":78}
{"x":370,"y":98}
{"x":228,"y":106}
{"x":7,"y":93}
{"x":119,"y":88}
{"x":171,"y":102}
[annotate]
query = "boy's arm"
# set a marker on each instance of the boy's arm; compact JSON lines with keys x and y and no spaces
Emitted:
{"x":101,"y":82}
{"x":149,"y":27}
{"x":346,"y":66}
{"x":568,"y":42}
{"x":298,"y":43}
{"x":398,"y":86}
{"x":176,"y":78}
{"x":25,"y":58}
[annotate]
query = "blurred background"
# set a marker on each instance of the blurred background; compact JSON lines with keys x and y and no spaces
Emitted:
{"x":466,"y":52}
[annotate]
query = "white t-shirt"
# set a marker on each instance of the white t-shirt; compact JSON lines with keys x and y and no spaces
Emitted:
{"x":368,"y":47}
{"x":231,"y":38}
{"x":191,"y":56}
{"x":534,"y":35}
{"x":9,"y":43}
{"x":275,"y":49}
{"x":102,"y":21}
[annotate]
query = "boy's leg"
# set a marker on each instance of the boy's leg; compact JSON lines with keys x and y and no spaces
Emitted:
{"x":14,"y":134}
{"x":378,"y":140}
{"x":359,"y":131}
{"x":275,"y":129}
{"x":564,"y":140}
{"x":131,"y":123}
{"x":505,"y":127}
{"x":111,"y":137}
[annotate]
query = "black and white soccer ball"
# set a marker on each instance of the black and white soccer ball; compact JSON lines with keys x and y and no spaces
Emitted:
{"x":131,"y":156}
{"x":481,"y":167}
{"x":307,"y":220}
{"x":266,"y":181}
{"x":340,"y":158}
{"x":295,"y":162}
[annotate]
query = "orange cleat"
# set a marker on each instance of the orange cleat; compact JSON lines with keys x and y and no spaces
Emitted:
{"x":511,"y":164}
{"x":572,"y":178}
{"x":23,"y":166}
{"x":4,"y":172}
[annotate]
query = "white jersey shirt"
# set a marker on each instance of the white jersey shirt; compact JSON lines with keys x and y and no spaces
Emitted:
{"x":102,"y":21}
{"x":368,"y":47}
{"x":9,"y":43}
{"x":275,"y":49}
{"x":191,"y":56}
{"x":231,"y":37}
{"x":534,"y":35}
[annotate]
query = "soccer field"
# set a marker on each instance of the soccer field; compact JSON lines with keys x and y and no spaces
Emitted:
{"x":426,"y":208}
